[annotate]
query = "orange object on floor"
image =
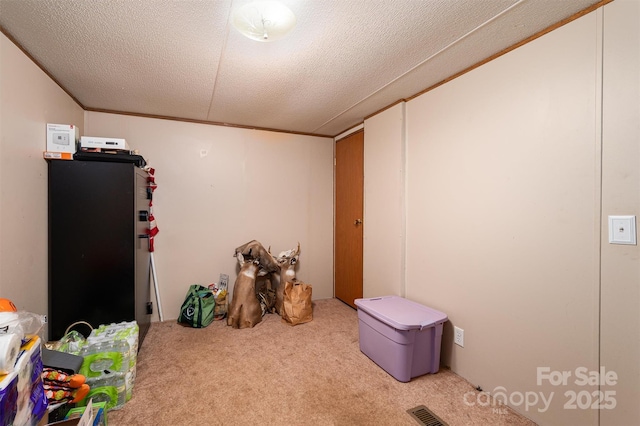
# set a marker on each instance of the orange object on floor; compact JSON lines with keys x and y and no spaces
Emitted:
{"x":7,"y":305}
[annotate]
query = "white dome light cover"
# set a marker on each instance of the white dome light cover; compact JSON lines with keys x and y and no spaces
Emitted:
{"x":264,"y":20}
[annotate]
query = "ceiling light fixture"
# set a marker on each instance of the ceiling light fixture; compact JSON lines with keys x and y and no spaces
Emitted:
{"x":264,"y":20}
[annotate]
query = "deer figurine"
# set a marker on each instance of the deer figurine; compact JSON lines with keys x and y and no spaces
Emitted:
{"x":254,"y":260}
{"x":287,"y":260}
{"x":254,"y":250}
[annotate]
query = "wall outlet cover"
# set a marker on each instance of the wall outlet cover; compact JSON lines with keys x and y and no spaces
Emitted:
{"x":458,"y":336}
{"x":224,"y":281}
{"x":622,"y":230}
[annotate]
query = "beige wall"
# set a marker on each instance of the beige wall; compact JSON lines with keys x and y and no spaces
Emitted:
{"x":219,"y":187}
{"x":620,"y":328}
{"x":502,"y":216}
{"x":28,"y":100}
{"x":384,"y":203}
{"x":508,"y":168}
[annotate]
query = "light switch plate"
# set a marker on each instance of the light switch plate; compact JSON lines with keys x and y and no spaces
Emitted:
{"x":622,"y":230}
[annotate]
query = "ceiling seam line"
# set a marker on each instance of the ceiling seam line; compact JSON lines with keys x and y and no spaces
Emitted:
{"x":444,"y":49}
{"x":220,"y":60}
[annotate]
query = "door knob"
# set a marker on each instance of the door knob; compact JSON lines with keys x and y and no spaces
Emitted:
{"x":357,"y":222}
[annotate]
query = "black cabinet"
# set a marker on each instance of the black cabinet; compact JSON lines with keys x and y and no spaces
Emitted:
{"x":98,"y":245}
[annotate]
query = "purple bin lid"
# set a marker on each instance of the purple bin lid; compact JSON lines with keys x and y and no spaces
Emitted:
{"x":400,"y":313}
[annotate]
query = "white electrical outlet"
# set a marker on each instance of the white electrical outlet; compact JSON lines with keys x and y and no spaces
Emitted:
{"x":458,"y":336}
{"x":224,"y":282}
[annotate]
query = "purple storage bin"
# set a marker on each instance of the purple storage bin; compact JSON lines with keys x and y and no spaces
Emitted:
{"x":401,"y":336}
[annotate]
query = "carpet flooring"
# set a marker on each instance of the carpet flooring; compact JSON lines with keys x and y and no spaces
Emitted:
{"x":276,"y":374}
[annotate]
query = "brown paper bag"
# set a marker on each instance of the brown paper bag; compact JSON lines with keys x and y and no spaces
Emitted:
{"x":296,"y":306}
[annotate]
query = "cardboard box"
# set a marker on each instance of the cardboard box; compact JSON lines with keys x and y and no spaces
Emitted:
{"x":62,"y":137}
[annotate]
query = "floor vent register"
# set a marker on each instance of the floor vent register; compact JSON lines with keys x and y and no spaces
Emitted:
{"x":425,"y":417}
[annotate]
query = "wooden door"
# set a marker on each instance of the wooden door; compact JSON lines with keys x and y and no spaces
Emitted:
{"x":349,"y":209}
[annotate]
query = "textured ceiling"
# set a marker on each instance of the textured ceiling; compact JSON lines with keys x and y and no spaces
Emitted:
{"x":345,"y":59}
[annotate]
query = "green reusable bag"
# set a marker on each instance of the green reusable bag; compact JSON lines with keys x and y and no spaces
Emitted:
{"x":197,"y":308}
